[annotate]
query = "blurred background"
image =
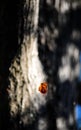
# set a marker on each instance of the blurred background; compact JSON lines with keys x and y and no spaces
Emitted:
{"x":59,"y":51}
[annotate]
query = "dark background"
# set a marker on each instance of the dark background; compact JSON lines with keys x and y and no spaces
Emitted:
{"x":51,"y":49}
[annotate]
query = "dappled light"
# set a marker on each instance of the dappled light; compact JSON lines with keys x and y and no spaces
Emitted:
{"x":42,"y":124}
{"x":76,"y":35}
{"x":70,"y":67}
{"x":64,"y":6}
{"x":40,"y":65}
{"x":76,"y":4}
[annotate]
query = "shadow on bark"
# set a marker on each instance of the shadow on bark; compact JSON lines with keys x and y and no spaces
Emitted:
{"x":52,"y":46}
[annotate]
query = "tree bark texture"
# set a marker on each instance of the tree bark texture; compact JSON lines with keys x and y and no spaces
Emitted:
{"x":26,"y":72}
